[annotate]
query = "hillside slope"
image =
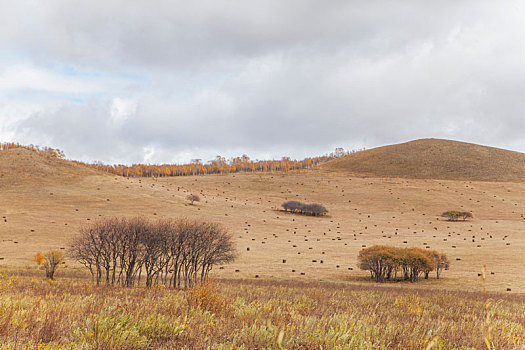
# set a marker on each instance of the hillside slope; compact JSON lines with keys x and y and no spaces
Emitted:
{"x":434,"y":159}
{"x":23,"y":167}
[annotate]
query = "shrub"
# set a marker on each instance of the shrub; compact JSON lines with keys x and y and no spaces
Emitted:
{"x":51,"y":261}
{"x":455,"y":215}
{"x":193,"y":198}
{"x":207,"y":297}
{"x":39,"y":259}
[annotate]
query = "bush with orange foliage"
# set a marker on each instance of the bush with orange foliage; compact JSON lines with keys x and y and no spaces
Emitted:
{"x":207,"y":296}
{"x":39,"y":259}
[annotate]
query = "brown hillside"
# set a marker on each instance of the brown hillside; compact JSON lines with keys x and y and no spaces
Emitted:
{"x":23,"y":167}
{"x":434,"y":159}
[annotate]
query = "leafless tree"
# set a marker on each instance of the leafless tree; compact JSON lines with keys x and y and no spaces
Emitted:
{"x":193,"y":198}
{"x":176,"y":253}
{"x":51,"y":262}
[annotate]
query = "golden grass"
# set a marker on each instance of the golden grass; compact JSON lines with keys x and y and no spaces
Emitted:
{"x":70,"y":313}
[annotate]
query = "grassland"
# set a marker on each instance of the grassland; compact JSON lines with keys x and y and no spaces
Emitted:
{"x":72,"y":314}
{"x":45,"y":202}
{"x":296,"y":277}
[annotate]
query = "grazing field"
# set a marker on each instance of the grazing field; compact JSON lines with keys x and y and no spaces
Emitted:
{"x":44,"y":201}
{"x":71,"y":313}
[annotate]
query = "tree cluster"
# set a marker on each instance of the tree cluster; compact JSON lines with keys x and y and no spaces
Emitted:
{"x":175,"y":253}
{"x":313,"y":209}
{"x":385,"y":262}
{"x":455,"y":215}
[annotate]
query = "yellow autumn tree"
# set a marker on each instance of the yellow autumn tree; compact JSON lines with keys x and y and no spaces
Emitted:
{"x":39,"y":259}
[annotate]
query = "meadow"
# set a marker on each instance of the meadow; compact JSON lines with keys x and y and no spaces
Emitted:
{"x":70,"y":313}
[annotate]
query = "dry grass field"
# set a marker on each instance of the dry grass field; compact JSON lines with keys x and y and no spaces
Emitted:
{"x":70,"y":313}
{"x":43,"y":202}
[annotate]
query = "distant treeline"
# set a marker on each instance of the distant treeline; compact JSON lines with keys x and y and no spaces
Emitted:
{"x":220,"y":165}
{"x":384,"y":262}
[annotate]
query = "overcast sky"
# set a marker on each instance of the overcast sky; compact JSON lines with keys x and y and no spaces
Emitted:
{"x":167,"y":81}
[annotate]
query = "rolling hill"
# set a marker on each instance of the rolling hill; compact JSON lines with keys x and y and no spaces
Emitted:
{"x":23,"y":167}
{"x":434,"y":159}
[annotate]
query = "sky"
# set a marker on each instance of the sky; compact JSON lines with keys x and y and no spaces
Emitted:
{"x":169,"y":81}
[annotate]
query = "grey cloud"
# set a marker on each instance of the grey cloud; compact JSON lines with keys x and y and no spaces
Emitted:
{"x":274,"y":78}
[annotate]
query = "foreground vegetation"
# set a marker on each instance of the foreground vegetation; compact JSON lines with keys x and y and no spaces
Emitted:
{"x":71,"y":313}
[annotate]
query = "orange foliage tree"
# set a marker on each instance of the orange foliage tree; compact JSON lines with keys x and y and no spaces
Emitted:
{"x":39,"y":258}
{"x":384,"y":262}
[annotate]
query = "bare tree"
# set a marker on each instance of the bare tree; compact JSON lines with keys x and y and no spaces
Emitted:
{"x":193,"y":198}
{"x":52,"y":260}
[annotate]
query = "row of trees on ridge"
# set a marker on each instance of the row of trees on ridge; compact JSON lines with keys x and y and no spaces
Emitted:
{"x":385,"y":262}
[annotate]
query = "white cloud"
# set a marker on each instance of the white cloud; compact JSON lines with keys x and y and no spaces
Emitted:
{"x":121,"y":109}
{"x":129,"y":81}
